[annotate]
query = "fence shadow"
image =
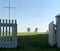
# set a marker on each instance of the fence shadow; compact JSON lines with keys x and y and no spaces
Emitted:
{"x":39,"y":40}
{"x":32,"y":43}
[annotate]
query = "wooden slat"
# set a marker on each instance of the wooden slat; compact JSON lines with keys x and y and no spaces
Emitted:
{"x":7,"y":24}
{"x":3,"y":30}
{"x":15,"y":32}
{"x":6,"y":31}
{"x":9,"y":30}
{"x":12,"y":31}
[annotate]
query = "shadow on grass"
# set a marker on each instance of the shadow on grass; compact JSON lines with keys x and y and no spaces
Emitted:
{"x":33,"y":43}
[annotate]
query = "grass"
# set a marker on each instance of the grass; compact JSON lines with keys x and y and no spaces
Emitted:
{"x":32,"y":42}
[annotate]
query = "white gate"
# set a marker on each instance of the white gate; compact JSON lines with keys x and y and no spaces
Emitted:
{"x":51,"y":35}
{"x":8,"y":33}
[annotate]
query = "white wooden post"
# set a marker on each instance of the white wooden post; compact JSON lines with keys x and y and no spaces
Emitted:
{"x":58,"y":30}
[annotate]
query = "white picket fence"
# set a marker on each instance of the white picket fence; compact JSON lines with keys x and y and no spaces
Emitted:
{"x":8,"y":33}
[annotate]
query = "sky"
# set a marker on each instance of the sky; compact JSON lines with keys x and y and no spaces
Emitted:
{"x":31,"y":13}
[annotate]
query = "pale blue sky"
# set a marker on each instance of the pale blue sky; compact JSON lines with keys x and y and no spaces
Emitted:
{"x":31,"y":13}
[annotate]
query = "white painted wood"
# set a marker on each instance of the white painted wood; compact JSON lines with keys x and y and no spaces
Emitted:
{"x":3,"y":30}
{"x":9,"y":30}
{"x":51,"y":35}
{"x":6,"y":30}
{"x":12,"y":31}
{"x":8,"y":43}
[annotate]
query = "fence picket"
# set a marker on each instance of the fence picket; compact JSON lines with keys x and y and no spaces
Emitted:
{"x":3,"y":30}
{"x":9,"y":30}
{"x":12,"y":31}
{"x":6,"y":30}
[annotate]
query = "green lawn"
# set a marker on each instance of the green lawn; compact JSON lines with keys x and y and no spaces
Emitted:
{"x":32,"y":42}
